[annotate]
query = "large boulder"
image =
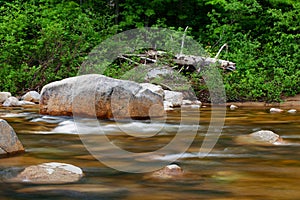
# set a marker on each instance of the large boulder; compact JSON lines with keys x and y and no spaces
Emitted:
{"x":49,"y":173}
{"x":101,"y":96}
{"x":9,"y":142}
{"x":4,"y":96}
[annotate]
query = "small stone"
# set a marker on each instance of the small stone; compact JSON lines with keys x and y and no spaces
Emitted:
{"x":4,"y":96}
{"x":233,"y":107}
{"x":292,"y":111}
{"x":49,"y":173}
{"x":168,"y":172}
{"x":175,"y":98}
{"x":31,"y":96}
{"x":275,"y":110}
{"x":153,"y":88}
{"x":11,"y":101}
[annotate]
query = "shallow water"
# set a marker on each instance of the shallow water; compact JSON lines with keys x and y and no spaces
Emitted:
{"x":229,"y":171}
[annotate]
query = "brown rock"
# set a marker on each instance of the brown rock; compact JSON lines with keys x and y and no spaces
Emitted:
{"x":9,"y":142}
{"x":168,"y":172}
{"x":49,"y":173}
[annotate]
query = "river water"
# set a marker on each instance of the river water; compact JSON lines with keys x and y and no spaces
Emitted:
{"x":230,"y":171}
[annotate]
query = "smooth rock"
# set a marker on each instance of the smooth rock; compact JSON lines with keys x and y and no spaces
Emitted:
{"x":31,"y":96}
{"x":97,"y":95}
{"x":4,"y":96}
{"x":292,"y":111}
{"x":263,"y":137}
{"x":275,"y":110}
{"x":154,"y":88}
{"x":176,"y":98}
{"x":168,"y":172}
{"x":233,"y":107}
{"x":11,"y":101}
{"x":9,"y":142}
{"x":49,"y":173}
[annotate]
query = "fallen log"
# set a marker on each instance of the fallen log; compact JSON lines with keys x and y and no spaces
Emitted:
{"x":197,"y":62}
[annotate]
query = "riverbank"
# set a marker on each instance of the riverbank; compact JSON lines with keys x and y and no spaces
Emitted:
{"x":288,"y":103}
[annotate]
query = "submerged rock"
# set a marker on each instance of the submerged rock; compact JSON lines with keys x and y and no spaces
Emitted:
{"x":263,"y":137}
{"x":97,"y":95}
{"x":49,"y":173}
{"x":9,"y":142}
{"x":4,"y":96}
{"x":168,"y":172}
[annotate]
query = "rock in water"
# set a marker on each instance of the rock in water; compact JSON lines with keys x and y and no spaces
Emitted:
{"x":4,"y":96}
{"x":31,"y":96}
{"x":169,"y":171}
{"x":263,"y":137}
{"x":49,"y":173}
{"x":176,"y":98}
{"x":11,"y":101}
{"x":97,"y":95}
{"x":9,"y":142}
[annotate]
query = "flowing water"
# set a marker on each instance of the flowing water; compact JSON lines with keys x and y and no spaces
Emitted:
{"x":230,"y":171}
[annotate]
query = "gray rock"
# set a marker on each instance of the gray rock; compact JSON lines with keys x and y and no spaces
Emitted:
{"x":154,"y":88}
{"x":49,"y":173}
{"x":31,"y":96}
{"x":4,"y":96}
{"x":9,"y":142}
{"x":97,"y":95}
{"x":11,"y":101}
{"x":263,"y":137}
{"x":176,"y":98}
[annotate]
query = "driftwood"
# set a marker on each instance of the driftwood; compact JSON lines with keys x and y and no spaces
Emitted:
{"x":183,"y":61}
{"x":198,"y":62}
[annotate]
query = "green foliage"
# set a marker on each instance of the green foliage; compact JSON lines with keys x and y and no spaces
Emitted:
{"x":46,"y":41}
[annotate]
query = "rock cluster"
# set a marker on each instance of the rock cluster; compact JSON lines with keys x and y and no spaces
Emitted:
{"x":30,"y":98}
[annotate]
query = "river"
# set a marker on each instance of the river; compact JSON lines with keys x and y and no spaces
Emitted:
{"x":230,"y":171}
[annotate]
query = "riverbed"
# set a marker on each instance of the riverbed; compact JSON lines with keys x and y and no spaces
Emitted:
{"x":230,"y":171}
